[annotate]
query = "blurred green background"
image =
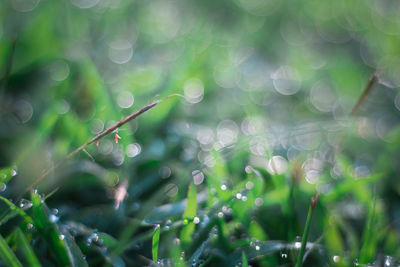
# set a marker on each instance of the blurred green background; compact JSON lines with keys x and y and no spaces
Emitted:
{"x":256,"y":97}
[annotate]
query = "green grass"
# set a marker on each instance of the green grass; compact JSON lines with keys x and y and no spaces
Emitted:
{"x":230,"y":116}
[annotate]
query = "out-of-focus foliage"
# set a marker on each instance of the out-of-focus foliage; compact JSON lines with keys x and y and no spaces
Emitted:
{"x":256,"y":97}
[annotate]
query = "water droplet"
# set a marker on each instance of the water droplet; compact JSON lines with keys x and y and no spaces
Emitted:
{"x":196,"y":220}
{"x":238,"y":195}
{"x":257,"y":247}
{"x":53,"y":218}
{"x":25,"y":204}
{"x":336,"y":258}
{"x":244,"y":198}
{"x":258,"y":202}
{"x":62,"y":237}
{"x":13,"y":172}
{"x":29,"y":226}
{"x":248,"y":169}
{"x":297,"y":245}
{"x":198,"y":177}
{"x":220,"y":214}
{"x":284,"y":256}
{"x":388,"y":261}
{"x":249,"y":185}
{"x":3,"y":187}
{"x":223,"y":187}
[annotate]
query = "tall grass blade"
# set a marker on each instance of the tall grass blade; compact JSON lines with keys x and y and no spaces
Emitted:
{"x":7,"y":255}
{"x":188,"y":216}
{"x":49,"y":231}
{"x":156,"y":242}
{"x":244,"y":260}
{"x":306,"y":230}
{"x":22,"y":243}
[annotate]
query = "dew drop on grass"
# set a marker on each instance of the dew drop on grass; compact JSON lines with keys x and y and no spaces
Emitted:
{"x":336,"y":258}
{"x":53,"y":218}
{"x":249,"y":185}
{"x":196,"y":220}
{"x":3,"y":187}
{"x":25,"y":204}
{"x":62,"y":237}
{"x":297,"y":245}
{"x":223,"y":187}
{"x":13,"y":172}
{"x":220,"y":214}
{"x":284,"y":256}
{"x":238,"y":195}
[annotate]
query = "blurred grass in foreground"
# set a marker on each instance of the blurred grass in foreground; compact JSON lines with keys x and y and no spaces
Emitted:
{"x":254,"y":121}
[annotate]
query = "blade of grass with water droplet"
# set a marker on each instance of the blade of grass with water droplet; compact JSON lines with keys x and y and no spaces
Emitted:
{"x":264,"y":249}
{"x":75,"y":254}
{"x":156,"y":239}
{"x":19,"y":239}
{"x":6,"y":174}
{"x":15,"y":210}
{"x":7,"y":255}
{"x":188,"y":216}
{"x":49,"y":231}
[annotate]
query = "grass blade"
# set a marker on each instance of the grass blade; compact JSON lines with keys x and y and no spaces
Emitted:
{"x":156,"y":239}
{"x":306,"y":230}
{"x":244,"y":260}
{"x":7,"y":255}
{"x":15,"y":210}
{"x":21,"y":242}
{"x":188,"y":216}
{"x":49,"y":231}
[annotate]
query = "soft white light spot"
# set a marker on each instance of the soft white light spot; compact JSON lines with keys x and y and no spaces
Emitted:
{"x":258,"y":202}
{"x":165,"y":172}
{"x":286,"y":81}
{"x":84,"y":3}
{"x":336,"y":258}
{"x":96,"y":126}
{"x":59,"y":70}
{"x":198,"y":177}
{"x":227,"y":132}
{"x":205,"y":136}
{"x":196,"y":220}
{"x":223,"y":187}
{"x":132,"y":150}
{"x":125,"y":99}
{"x":120,"y":51}
{"x":62,"y":107}
{"x":297,"y":245}
{"x":322,"y":97}
{"x":193,"y":90}
{"x":277,"y":165}
{"x":24,"y":110}
{"x":171,"y":190}
{"x":249,"y":185}
{"x":24,"y":5}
